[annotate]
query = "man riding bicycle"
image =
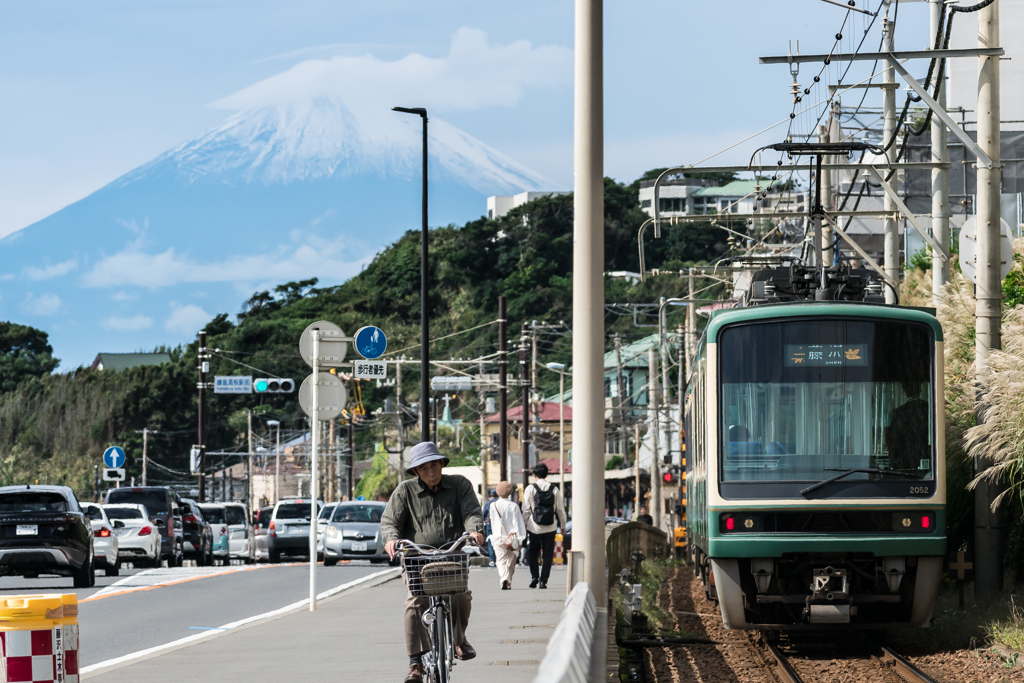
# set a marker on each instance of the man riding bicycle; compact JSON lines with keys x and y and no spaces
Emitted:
{"x":431,"y":510}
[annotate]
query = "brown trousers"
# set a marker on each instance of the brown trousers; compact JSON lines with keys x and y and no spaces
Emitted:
{"x":417,"y":640}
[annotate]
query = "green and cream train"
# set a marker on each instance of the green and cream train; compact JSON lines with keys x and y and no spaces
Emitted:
{"x":815,"y":470}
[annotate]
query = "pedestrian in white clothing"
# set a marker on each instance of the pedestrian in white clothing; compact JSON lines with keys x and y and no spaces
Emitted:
{"x":508,"y":530}
{"x":544,"y":510}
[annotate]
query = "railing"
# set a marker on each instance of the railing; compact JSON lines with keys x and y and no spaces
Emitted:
{"x":572,"y":645}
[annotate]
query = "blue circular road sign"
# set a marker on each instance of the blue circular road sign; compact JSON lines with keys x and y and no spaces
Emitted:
{"x":371,"y":342}
{"x":113,"y":457}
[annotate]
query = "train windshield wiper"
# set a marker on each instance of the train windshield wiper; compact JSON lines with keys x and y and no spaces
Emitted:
{"x":845,"y":473}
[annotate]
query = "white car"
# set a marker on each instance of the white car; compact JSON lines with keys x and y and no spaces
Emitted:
{"x":243,"y":538}
{"x":105,"y":541}
{"x":137,"y":537}
{"x":321,"y":527}
{"x":216,"y":518}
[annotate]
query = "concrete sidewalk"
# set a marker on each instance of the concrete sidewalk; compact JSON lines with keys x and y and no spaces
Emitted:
{"x":357,"y":635}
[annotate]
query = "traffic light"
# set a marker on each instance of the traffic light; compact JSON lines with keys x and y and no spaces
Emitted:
{"x":671,"y":476}
{"x":273,"y":385}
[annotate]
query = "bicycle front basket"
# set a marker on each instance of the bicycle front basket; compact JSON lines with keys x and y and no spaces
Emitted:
{"x":437,"y":574}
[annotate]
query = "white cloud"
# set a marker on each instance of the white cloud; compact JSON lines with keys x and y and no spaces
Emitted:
{"x":137,"y":268}
{"x":8,"y":276}
{"x":186,"y":320}
{"x":123,"y":296}
{"x":474,"y":74}
{"x":45,"y":305}
{"x":133,"y":324}
{"x":48,"y":271}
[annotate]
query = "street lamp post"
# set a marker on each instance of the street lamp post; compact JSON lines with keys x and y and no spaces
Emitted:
{"x":424,"y":329}
{"x":560,"y":369}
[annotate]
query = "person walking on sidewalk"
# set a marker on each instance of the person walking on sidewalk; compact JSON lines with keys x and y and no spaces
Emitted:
{"x":487,"y":526}
{"x":509,"y":531}
{"x":432,"y":509}
{"x":542,"y":507}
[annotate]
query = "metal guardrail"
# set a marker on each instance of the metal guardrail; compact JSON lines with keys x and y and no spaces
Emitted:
{"x":571,"y":648}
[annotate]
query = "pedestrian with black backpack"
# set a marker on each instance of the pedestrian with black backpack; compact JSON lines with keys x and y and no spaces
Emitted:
{"x":543,"y":506}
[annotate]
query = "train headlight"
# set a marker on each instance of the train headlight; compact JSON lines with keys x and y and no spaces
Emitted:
{"x":913,"y":522}
{"x":740,"y":522}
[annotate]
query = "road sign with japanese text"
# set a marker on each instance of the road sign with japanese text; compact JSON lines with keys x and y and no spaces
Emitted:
{"x":370,"y":369}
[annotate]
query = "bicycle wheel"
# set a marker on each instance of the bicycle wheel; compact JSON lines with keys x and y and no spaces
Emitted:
{"x":442,"y":637}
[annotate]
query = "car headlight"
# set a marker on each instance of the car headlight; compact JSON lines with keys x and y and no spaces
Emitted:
{"x":332,"y":531}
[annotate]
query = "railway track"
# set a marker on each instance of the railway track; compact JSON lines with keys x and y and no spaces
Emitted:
{"x":887,"y":662}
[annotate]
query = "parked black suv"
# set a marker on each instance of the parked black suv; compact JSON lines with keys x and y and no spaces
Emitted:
{"x":165,"y":507}
{"x":44,"y":531}
{"x":198,"y":534}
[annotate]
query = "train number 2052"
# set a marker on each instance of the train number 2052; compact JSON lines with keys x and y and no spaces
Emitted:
{"x":919,"y":489}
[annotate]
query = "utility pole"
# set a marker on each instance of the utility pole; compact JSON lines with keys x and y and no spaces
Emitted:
{"x":96,"y":483}
{"x":621,"y":399}
{"x":988,"y":525}
{"x":666,"y":385}
{"x":502,"y":389}
{"x":826,"y":197}
{"x":277,"y":461}
{"x":351,"y":456}
{"x":652,"y":404}
{"x":145,"y":443}
{"x":204,"y":367}
{"x":691,"y":325}
{"x":333,"y":450}
{"x":940,"y":176}
{"x":248,"y":471}
{"x":891,"y":227}
{"x":636,"y":462}
{"x":525,"y":434}
{"x":588,"y":297}
{"x":485,"y":451}
{"x":401,"y":427}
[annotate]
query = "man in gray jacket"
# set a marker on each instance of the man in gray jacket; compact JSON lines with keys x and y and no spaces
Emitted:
{"x":433,"y":509}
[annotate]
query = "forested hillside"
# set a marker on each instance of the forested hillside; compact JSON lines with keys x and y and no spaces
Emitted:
{"x":53,"y":428}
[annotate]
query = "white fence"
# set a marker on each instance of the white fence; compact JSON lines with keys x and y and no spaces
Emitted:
{"x":575,"y":643}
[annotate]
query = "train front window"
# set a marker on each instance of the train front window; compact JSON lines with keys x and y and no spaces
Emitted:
{"x":805,"y":400}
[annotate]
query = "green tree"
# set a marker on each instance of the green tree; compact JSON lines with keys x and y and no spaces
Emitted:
{"x":25,"y":352}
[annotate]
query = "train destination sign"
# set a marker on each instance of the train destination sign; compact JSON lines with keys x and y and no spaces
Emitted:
{"x":798,"y":355}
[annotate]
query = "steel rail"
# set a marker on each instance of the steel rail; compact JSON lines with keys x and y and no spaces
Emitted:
{"x":905,"y":669}
{"x":784,"y":670}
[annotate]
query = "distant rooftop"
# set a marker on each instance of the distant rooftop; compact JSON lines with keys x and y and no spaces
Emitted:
{"x":123,"y":361}
{"x":737,"y":188}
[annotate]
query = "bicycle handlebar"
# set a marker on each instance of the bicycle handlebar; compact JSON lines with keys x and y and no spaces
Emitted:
{"x":405,"y":544}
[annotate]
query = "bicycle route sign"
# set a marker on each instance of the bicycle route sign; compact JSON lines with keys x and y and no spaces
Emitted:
{"x":371,"y":342}
{"x":113,"y":457}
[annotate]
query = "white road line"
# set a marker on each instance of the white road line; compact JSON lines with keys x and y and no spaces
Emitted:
{"x":155,"y":577}
{"x":116,"y":661}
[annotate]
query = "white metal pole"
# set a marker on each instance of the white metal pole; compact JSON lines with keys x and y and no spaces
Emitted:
{"x":277,"y":466}
{"x":588,"y":297}
{"x":691,"y":325}
{"x":891,"y":227}
{"x":940,"y":177}
{"x":652,"y":411}
{"x":561,"y":432}
{"x":988,"y":536}
{"x":315,"y":436}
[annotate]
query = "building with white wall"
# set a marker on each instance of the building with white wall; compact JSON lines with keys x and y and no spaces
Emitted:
{"x":498,"y":206}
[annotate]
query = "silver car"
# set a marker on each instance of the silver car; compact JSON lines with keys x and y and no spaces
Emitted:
{"x":138,"y":539}
{"x":243,"y":540}
{"x":354,"y":533}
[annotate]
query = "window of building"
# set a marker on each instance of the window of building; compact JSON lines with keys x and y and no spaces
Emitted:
{"x":645,"y":203}
{"x":490,"y":214}
{"x":669,"y":204}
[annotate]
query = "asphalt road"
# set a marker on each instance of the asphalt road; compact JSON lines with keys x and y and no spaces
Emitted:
{"x":146,"y":608}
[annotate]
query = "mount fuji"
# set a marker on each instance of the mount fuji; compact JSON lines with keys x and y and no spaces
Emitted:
{"x":281,"y":191}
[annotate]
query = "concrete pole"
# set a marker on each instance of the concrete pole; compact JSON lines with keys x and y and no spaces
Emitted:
{"x":145,"y":443}
{"x":657,"y":503}
{"x":484,"y":450}
{"x":988,"y":525}
{"x":277,"y":466}
{"x":891,"y":254}
{"x":940,"y":179}
{"x":401,"y":427}
{"x":826,"y":199}
{"x":588,"y":296}
{"x":691,"y":325}
{"x":248,"y":471}
{"x":620,"y":399}
{"x":502,"y":391}
{"x":524,"y":436}
{"x":636,"y":463}
{"x":666,"y":385}
{"x":561,"y":431}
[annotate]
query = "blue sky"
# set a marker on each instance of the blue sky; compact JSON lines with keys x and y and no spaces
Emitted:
{"x":93,"y":89}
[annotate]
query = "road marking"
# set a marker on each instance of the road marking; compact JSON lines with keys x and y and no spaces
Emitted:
{"x":207,"y":628}
{"x":202,"y":635}
{"x":157,"y":578}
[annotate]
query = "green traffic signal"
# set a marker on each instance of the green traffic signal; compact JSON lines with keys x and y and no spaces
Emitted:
{"x":260,"y":386}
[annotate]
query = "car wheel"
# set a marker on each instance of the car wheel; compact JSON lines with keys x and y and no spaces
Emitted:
{"x":113,"y":569}
{"x":275,"y":557}
{"x":85,"y":575}
{"x":179,"y":557}
{"x":31,"y":575}
{"x":330,"y":561}
{"x":209,"y":556}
